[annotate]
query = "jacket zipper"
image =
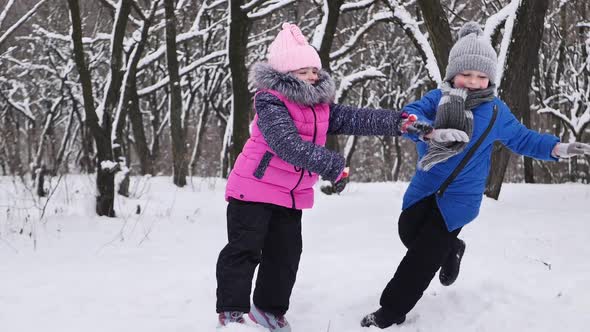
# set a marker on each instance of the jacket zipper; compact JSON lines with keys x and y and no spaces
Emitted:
{"x":302,"y":170}
{"x":315,"y":129}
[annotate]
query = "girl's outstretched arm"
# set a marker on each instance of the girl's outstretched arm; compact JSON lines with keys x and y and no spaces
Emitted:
{"x":350,"y":120}
{"x":279,"y":131}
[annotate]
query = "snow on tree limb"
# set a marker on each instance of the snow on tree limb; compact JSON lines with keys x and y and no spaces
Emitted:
{"x":183,"y":71}
{"x":349,"y":45}
{"x":23,"y":109}
{"x":20,"y":22}
{"x":348,"y":81}
{"x":356,"y":5}
{"x":320,"y":30}
{"x":269,"y":9}
{"x":575,"y":123}
{"x":251,"y":5}
{"x":495,"y":21}
{"x":411,"y":26}
{"x":510,"y":13}
{"x":66,"y":38}
{"x":202,"y":9}
{"x":5,"y":11}
{"x":194,"y":32}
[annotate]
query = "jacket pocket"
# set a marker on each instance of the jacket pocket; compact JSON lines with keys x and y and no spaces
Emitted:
{"x":263,"y":165}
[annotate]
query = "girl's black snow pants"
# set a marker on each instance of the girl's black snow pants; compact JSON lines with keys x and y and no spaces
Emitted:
{"x":265,"y":234}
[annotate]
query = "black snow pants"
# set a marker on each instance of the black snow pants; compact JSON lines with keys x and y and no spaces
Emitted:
{"x":265,"y":234}
{"x":423,"y":231}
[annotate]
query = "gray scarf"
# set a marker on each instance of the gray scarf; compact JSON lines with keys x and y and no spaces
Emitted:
{"x":454,"y":111}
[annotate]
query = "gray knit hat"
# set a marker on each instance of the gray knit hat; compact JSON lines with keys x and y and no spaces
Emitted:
{"x":472,"y":52}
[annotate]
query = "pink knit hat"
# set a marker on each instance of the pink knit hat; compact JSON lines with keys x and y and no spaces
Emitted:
{"x":291,"y":51}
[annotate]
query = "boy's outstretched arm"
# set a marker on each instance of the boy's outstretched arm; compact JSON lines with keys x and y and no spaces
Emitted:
{"x":518,"y":138}
{"x":279,"y":131}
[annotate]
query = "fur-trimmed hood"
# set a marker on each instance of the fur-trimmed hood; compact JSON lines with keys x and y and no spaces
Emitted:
{"x":263,"y":76}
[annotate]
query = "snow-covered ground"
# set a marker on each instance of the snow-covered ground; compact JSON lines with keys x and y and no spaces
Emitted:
{"x":526,"y":267}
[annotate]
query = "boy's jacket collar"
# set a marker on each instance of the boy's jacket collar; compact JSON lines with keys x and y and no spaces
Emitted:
{"x":263,"y":76}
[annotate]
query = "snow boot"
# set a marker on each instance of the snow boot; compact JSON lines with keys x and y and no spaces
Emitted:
{"x":271,"y":322}
{"x":227,"y":317}
{"x":449,"y":271}
{"x":381,"y":319}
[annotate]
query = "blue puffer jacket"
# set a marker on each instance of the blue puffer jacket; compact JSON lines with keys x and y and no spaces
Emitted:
{"x":461,"y":202}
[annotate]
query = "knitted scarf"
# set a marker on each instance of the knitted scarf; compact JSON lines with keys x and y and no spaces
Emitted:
{"x":454,"y":111}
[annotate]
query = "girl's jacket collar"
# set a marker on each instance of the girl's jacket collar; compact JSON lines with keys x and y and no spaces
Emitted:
{"x":265,"y":78}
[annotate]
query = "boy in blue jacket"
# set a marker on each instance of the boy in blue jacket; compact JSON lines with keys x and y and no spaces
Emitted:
{"x":446,"y":192}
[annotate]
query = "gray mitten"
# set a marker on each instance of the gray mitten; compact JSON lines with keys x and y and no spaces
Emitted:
{"x":449,"y":135}
{"x":566,"y":150}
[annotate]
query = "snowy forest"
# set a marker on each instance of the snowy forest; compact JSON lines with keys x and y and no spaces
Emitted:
{"x":120,"y":88}
{"x":121,"y":120}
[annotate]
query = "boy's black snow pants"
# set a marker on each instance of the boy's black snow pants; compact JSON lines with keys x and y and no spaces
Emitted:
{"x":423,"y":231}
{"x":265,"y":234}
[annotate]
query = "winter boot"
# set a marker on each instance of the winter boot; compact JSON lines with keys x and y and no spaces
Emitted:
{"x":449,"y":271}
{"x":271,"y":322}
{"x":227,"y":317}
{"x":382,"y":319}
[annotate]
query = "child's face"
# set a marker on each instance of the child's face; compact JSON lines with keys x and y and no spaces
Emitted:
{"x":308,"y":74}
{"x":471,"y":80}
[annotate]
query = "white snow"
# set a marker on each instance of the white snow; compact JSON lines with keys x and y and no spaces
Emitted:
{"x":525,"y":269}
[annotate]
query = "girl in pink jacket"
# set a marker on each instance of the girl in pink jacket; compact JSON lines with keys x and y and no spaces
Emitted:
{"x":272,"y":179}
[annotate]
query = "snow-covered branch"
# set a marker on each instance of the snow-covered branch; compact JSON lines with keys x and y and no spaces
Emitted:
{"x":350,"y":44}
{"x":512,"y":8}
{"x":66,"y":38}
{"x":205,"y":7}
{"x":20,"y":22}
{"x":183,"y":71}
{"x":320,"y":30}
{"x":412,"y":27}
{"x":5,"y":11}
{"x":269,"y":9}
{"x":24,"y":109}
{"x":495,"y":21}
{"x":347,"y":82}
{"x":356,"y":5}
{"x":252,"y":4}
{"x":181,"y":38}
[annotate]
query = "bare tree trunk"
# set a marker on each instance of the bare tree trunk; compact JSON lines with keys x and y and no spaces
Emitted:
{"x":439,"y":31}
{"x":40,"y":181}
{"x":398,"y":160}
{"x":130,"y":104}
{"x":178,"y":132}
{"x":522,"y":59}
{"x":388,"y":161}
{"x":141,"y":146}
{"x":203,"y":118}
{"x":239,"y":29}
{"x":324,"y":52}
{"x":65,"y":141}
{"x":104,"y":178}
{"x":529,"y":171}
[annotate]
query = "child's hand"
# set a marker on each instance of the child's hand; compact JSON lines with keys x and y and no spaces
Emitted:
{"x":341,"y":182}
{"x":448,"y":135}
{"x":566,"y":150}
{"x":410,"y":124}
